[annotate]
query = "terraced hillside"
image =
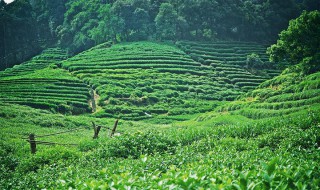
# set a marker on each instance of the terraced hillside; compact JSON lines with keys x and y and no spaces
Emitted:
{"x":47,"y":57}
{"x":38,"y":83}
{"x":143,"y":79}
{"x":229,"y":61}
{"x":276,"y":98}
{"x":219,"y":150}
{"x":283,"y":95}
{"x":267,"y":139}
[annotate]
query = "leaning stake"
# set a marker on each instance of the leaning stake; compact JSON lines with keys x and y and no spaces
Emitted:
{"x":114,"y":128}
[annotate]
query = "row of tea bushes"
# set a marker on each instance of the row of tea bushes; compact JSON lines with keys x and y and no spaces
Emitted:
{"x":228,"y":60}
{"x":40,"y":84}
{"x":146,"y":79}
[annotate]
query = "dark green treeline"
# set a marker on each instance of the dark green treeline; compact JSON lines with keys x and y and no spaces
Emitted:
{"x":28,"y":26}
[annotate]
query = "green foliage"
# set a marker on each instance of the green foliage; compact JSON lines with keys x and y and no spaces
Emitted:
{"x":145,"y":80}
{"x":166,"y":22}
{"x":9,"y":162}
{"x":268,"y":139}
{"x":285,"y":94}
{"x":274,"y":151}
{"x":40,"y":84}
{"x":300,"y":42}
{"x":86,"y":23}
{"x":241,"y":64}
{"x":311,"y":64}
{"x":139,"y":143}
{"x":81,"y":24}
{"x":50,"y":156}
{"x":254,"y":61}
{"x":17,"y":19}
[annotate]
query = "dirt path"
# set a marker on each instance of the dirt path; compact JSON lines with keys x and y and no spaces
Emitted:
{"x":94,"y":101}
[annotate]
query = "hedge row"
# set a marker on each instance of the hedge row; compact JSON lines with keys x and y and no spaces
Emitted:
{"x":133,"y":56}
{"x":294,"y":96}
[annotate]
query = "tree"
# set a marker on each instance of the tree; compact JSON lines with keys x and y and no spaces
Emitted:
{"x":86,"y":23}
{"x":141,"y":25}
{"x":115,"y":27}
{"x":124,"y":10}
{"x":277,"y":15}
{"x":49,"y":15}
{"x":17,"y":33}
{"x":253,"y":24}
{"x":300,"y":40}
{"x":254,"y":62}
{"x":166,"y":22}
{"x":79,"y":24}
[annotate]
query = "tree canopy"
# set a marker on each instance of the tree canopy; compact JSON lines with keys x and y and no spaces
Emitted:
{"x":80,"y":24}
{"x":166,"y":22}
{"x":299,"y":42}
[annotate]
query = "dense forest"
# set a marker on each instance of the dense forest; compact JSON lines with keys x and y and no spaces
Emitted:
{"x":29,"y":26}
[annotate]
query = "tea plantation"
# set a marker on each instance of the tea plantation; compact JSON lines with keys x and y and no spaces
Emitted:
{"x":144,"y":80}
{"x":192,"y":116}
{"x":229,"y":61}
{"x":39,"y":84}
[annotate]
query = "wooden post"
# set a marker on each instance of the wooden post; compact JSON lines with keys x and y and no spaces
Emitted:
{"x":114,"y":128}
{"x":33,"y":144}
{"x":96,"y":130}
{"x":93,"y":103}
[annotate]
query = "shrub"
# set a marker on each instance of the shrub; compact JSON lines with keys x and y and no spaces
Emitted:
{"x":47,"y":156}
{"x":140,"y":143}
{"x":254,"y":62}
{"x":7,"y":158}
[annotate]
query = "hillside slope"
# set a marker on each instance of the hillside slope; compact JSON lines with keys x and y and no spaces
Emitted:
{"x":135,"y":81}
{"x":219,"y":150}
{"x":229,"y":60}
{"x":287,"y":93}
{"x":144,"y":80}
{"x":40,"y":84}
{"x":267,"y":139}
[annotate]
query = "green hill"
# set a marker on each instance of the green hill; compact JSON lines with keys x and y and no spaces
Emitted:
{"x":228,"y":148}
{"x":146,"y":94}
{"x":283,"y":95}
{"x":38,"y":83}
{"x":135,"y":81}
{"x":229,"y":61}
{"x":197,"y":127}
{"x":145,"y":79}
{"x":150,"y":94}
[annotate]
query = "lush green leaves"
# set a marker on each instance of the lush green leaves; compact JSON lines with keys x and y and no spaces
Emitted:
{"x":166,"y":22}
{"x":300,"y":42}
{"x":282,"y":153}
